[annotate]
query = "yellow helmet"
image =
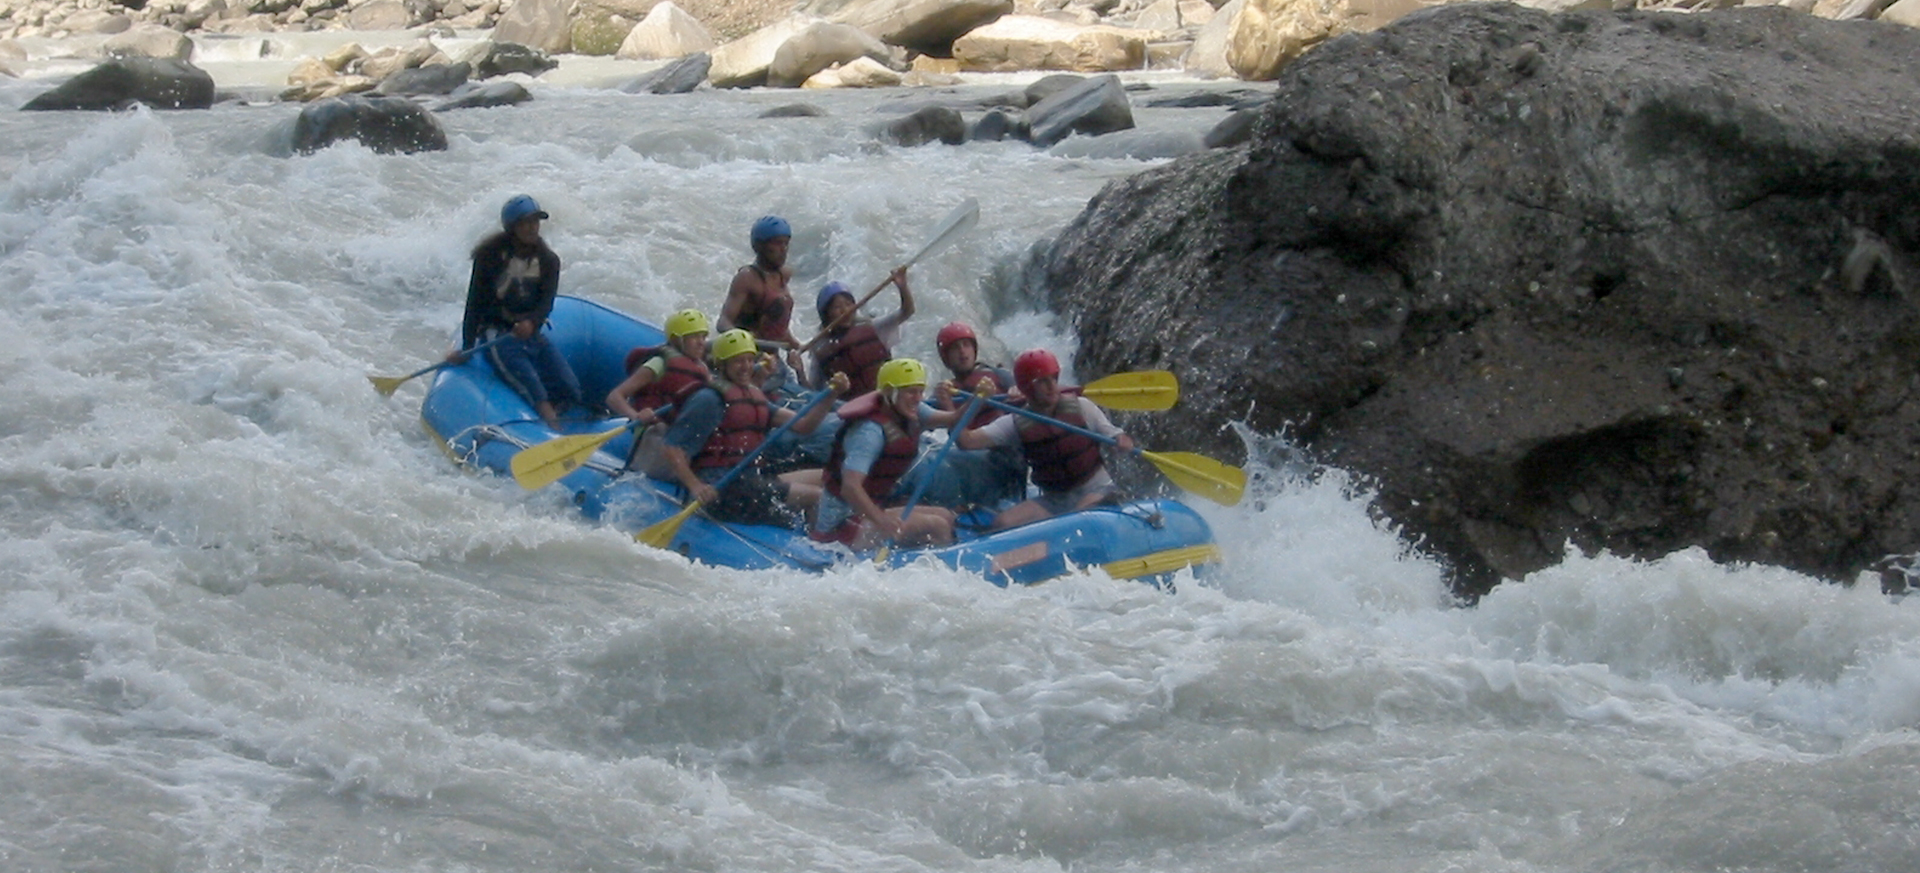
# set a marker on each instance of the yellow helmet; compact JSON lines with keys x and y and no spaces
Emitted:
{"x":687,"y":321}
{"x":902,"y":373}
{"x":733,"y":344}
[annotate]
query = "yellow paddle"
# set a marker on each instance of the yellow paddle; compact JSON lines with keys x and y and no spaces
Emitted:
{"x":660,"y":534}
{"x":538,"y":466}
{"x":1218,"y":482}
{"x":386,"y":385}
{"x":1140,"y":391}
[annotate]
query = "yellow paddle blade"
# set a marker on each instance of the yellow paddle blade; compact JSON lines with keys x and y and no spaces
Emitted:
{"x":1143,"y":391}
{"x":538,"y":466}
{"x":660,"y":534}
{"x":1201,"y":475}
{"x":386,"y":385}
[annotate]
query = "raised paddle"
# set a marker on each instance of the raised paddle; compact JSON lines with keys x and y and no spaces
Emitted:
{"x":920,"y":487}
{"x":386,"y":385}
{"x":660,"y":534}
{"x":956,"y":223}
{"x":538,"y":466}
{"x":1199,"y":474}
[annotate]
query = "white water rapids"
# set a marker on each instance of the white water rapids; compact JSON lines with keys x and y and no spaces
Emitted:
{"x":250,"y":619}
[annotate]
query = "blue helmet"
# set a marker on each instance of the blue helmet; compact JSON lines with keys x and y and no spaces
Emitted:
{"x":769,"y":227}
{"x":832,"y":290}
{"x":519,"y":207}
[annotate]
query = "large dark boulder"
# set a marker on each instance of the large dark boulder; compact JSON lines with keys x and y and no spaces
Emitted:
{"x":388,"y":125}
{"x":1625,"y":281}
{"x":1091,"y":106}
{"x":161,"y":83}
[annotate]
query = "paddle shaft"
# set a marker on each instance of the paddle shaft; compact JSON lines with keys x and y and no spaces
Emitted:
{"x":1021,"y":410}
{"x":824,"y":395}
{"x":920,"y":487}
{"x":1197,"y":473}
{"x":437,"y":366}
{"x":961,"y":218}
{"x":660,"y":534}
{"x":849,"y":313}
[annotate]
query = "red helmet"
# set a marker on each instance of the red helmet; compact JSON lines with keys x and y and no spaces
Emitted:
{"x":1034,"y":364}
{"x":953,"y":333}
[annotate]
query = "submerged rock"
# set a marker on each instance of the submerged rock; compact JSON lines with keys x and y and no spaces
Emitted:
{"x":1539,"y":296}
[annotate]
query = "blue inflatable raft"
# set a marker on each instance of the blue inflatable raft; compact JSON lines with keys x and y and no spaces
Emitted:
{"x":482,"y":424}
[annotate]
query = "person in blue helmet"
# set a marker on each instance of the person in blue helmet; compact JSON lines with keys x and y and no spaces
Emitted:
{"x":759,"y":301}
{"x":510,"y":294}
{"x":853,"y":345}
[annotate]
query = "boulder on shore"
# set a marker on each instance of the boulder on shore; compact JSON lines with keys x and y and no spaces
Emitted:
{"x":1538,"y":297}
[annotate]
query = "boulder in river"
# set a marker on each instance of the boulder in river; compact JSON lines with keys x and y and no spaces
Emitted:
{"x":162,"y":83}
{"x":389,"y":125}
{"x":1542,"y":296}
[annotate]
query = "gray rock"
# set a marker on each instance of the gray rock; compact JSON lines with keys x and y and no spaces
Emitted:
{"x":431,"y":79}
{"x":481,"y":96}
{"x":1095,"y":106}
{"x":677,"y":77}
{"x":1140,"y":145}
{"x":1541,"y":298}
{"x":501,"y":58}
{"x":1049,"y":85}
{"x":934,"y":123}
{"x":794,"y":110}
{"x":388,"y":125}
{"x":162,"y":83}
{"x":999,"y":124}
{"x":1232,"y":130}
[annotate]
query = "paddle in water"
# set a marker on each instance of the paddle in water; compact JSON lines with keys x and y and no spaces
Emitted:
{"x":538,"y":466}
{"x":386,"y":385}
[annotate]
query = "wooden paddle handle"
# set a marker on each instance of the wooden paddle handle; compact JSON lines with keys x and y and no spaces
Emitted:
{"x":849,"y":314}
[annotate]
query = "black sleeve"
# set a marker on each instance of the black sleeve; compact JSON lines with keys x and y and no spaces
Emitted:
{"x":479,"y":296}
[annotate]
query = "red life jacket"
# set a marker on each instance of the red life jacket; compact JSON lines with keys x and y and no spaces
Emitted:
{"x":859,"y":354}
{"x":980,"y":376}
{"x":896,"y":455}
{"x":683,"y":376}
{"x":1057,"y":458}
{"x":743,"y":426}
{"x":768,"y":311}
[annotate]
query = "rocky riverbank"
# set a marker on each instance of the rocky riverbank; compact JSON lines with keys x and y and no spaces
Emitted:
{"x":1250,"y":39}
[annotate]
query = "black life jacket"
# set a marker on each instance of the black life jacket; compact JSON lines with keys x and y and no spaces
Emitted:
{"x":859,"y":354}
{"x":743,"y":426}
{"x":1057,"y":458}
{"x":896,"y":455}
{"x":683,"y":376}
